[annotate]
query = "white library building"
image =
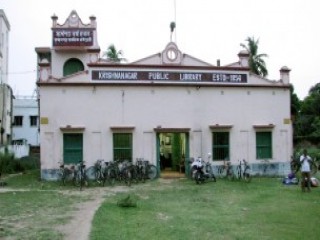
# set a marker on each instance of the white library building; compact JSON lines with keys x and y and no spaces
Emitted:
{"x":166,"y":108}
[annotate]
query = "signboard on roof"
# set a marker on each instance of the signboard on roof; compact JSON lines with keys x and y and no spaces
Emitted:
{"x":72,"y":37}
{"x":102,"y":75}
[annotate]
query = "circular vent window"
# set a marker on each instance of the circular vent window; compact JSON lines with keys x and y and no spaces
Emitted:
{"x":172,"y":54}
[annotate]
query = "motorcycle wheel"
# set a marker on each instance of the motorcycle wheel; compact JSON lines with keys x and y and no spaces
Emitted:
{"x":197,"y":177}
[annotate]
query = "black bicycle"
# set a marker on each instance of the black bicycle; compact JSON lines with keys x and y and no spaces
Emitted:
{"x":66,"y":173}
{"x":126,"y":172}
{"x":110,"y":173}
{"x":149,"y":171}
{"x":118,"y":170}
{"x":226,"y":171}
{"x":81,"y":175}
{"x":99,"y":173}
{"x":244,"y":171}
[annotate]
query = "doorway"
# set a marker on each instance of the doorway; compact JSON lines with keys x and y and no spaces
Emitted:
{"x":173,"y":151}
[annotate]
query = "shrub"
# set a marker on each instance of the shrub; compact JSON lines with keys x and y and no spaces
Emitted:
{"x":8,"y":164}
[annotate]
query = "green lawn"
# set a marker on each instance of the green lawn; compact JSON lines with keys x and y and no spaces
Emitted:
{"x":33,"y":209}
{"x":262,"y":209}
{"x":166,"y":209}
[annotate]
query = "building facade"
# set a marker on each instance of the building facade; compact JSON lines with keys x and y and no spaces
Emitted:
{"x":166,"y":108}
{"x":26,"y":121}
{"x":5,"y":90}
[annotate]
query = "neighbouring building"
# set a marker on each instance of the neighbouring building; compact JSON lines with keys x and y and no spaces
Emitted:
{"x":26,"y":121}
{"x":5,"y":90}
{"x":166,"y":108}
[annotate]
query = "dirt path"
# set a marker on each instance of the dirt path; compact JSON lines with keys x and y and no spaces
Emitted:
{"x":81,"y":218}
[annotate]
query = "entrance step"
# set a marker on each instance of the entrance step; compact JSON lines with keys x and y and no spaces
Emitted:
{"x":171,"y":174}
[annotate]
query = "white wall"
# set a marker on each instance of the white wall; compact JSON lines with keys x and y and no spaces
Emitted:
{"x":26,"y":107}
{"x":145,"y":108}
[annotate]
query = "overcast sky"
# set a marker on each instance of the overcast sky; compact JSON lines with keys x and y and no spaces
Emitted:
{"x":288,"y":31}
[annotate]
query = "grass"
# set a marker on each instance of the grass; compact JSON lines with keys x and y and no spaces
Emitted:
{"x":34,"y":209}
{"x":262,"y":209}
{"x":166,"y":209}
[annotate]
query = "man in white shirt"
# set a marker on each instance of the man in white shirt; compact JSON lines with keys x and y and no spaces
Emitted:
{"x":305,"y":161}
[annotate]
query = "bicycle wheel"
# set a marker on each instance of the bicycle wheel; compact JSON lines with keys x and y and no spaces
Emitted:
{"x":62,"y":177}
{"x":134,"y":172}
{"x":239,"y":172}
{"x":84,"y":179}
{"x":110,"y":175}
{"x":247,"y":177}
{"x":210,"y":172}
{"x":99,"y":177}
{"x":128,"y":177}
{"x":222,"y":171}
{"x":231,"y":176}
{"x":81,"y":181}
{"x":92,"y":173}
{"x":152,"y":172}
{"x":78,"y":179}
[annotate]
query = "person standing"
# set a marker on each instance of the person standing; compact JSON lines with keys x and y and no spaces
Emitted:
{"x":305,"y":161}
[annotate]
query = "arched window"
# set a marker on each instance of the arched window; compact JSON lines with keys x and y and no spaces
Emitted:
{"x":71,"y":66}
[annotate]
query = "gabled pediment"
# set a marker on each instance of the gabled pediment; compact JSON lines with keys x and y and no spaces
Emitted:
{"x":72,"y":21}
{"x":172,"y":55}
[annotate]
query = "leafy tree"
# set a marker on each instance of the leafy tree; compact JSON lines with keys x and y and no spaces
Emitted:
{"x":113,"y":55}
{"x":256,"y":62}
{"x":295,"y":102}
{"x":308,"y":121}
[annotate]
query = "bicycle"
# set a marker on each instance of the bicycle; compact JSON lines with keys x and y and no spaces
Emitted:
{"x":150,"y":171}
{"x":122,"y":170}
{"x":244,"y":173}
{"x":127,"y":172}
{"x":139,"y":170}
{"x":81,"y":176}
{"x":99,"y":173}
{"x":226,"y":171}
{"x":110,"y":172}
{"x":208,"y":169}
{"x":66,"y":173}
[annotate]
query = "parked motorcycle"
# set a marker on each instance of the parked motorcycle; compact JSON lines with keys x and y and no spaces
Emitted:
{"x":200,"y":171}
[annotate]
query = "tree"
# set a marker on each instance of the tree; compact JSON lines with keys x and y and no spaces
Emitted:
{"x":308,"y":121}
{"x":256,"y":62}
{"x":295,"y":102}
{"x":113,"y":55}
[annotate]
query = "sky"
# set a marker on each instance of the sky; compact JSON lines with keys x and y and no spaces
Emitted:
{"x":288,"y":32}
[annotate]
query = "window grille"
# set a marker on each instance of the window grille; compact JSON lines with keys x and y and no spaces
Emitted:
{"x":122,"y":146}
{"x":72,"y":147}
{"x":220,"y":147}
{"x":263,"y":145}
